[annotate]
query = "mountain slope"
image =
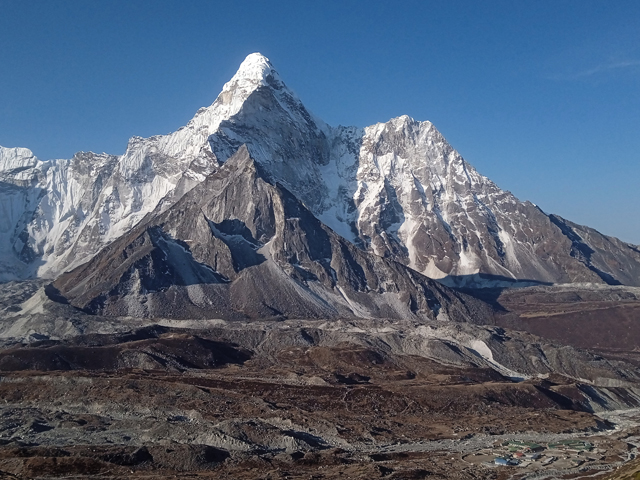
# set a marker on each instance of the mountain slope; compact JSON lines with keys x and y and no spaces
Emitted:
{"x":237,"y":246}
{"x":395,"y":189}
{"x":401,"y":191}
{"x":65,"y":211}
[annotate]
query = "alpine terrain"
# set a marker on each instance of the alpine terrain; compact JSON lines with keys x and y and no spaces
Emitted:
{"x":262,"y":295}
{"x":395,"y":189}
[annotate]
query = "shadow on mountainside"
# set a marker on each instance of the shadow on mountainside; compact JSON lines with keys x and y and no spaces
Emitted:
{"x":488,"y":287}
{"x":155,"y":347}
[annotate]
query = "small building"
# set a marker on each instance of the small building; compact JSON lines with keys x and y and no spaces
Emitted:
{"x":573,"y":445}
{"x":505,"y":461}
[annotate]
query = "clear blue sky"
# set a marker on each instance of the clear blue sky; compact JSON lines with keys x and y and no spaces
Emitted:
{"x":542,"y":97}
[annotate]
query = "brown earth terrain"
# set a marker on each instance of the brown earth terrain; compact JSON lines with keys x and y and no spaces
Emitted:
{"x":163,"y":402}
{"x":90,"y":396}
{"x":585,"y":316}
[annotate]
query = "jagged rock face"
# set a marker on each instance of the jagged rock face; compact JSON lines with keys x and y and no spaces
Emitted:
{"x":237,"y":246}
{"x":400,"y":190}
{"x":419,"y":201}
{"x":395,"y":189}
{"x":62,"y":212}
{"x":20,"y":190}
{"x":607,"y":257}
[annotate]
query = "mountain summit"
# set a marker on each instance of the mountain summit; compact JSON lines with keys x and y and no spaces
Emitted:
{"x":256,"y":70}
{"x":394,"y":190}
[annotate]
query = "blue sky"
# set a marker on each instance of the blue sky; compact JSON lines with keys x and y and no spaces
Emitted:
{"x":542,"y":97}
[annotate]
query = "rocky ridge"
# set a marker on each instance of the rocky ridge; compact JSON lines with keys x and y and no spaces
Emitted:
{"x":237,"y":246}
{"x":247,"y":295}
{"x":395,"y":189}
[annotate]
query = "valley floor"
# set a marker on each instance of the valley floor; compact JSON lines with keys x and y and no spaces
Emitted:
{"x":274,"y":423}
{"x":300,"y":399}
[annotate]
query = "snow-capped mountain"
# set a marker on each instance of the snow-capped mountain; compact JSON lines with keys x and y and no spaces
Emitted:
{"x":237,"y":246}
{"x":401,"y":191}
{"x":397,"y":190}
